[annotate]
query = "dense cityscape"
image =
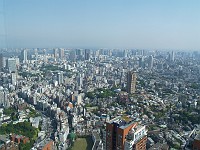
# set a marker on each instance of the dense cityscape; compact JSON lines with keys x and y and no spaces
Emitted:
{"x":104,"y":99}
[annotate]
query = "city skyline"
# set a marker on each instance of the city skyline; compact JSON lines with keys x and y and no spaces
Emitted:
{"x":101,"y":24}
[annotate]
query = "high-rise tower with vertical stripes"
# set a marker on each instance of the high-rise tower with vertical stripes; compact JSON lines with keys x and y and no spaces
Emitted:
{"x":131,"y":82}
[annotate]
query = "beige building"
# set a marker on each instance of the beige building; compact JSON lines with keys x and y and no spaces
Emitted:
{"x":131,"y":82}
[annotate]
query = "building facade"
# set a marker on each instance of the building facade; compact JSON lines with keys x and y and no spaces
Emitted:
{"x":125,"y":135}
{"x":131,"y":82}
{"x":11,"y":64}
{"x":24,"y":56}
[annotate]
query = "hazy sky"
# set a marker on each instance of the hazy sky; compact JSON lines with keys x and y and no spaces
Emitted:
{"x":148,"y":24}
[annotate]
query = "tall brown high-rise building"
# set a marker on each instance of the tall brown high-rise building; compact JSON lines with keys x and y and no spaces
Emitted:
{"x":125,"y":135}
{"x":131,"y":82}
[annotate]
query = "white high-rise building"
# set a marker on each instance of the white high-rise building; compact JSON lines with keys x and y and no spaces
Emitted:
{"x":1,"y":97}
{"x":13,"y":78}
{"x":136,"y":137}
{"x":36,"y":54}
{"x":141,"y":62}
{"x":44,"y":55}
{"x":78,"y":99}
{"x":80,"y":80}
{"x":150,"y":64}
{"x":11,"y":64}
{"x":172,"y":56}
{"x":24,"y":56}
{"x":1,"y":61}
{"x":61,"y":54}
{"x":4,"y":98}
{"x":60,"y":77}
{"x":55,"y":53}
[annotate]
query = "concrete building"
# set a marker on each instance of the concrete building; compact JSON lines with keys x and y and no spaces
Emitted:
{"x":55,"y":53}
{"x":60,"y":77}
{"x":150,"y":63}
{"x":46,"y":144}
{"x":172,"y":56}
{"x":87,"y":54}
{"x":141,"y":62}
{"x":13,"y":78}
{"x":4,"y":98}
{"x":136,"y":138}
{"x":1,"y":61}
{"x":98,"y":145}
{"x":24,"y":56}
{"x":125,"y":135}
{"x":131,"y":82}
{"x":11,"y":64}
{"x":61,"y":53}
{"x":72,"y":56}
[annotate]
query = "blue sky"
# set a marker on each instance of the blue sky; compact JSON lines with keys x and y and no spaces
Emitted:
{"x":145,"y":24}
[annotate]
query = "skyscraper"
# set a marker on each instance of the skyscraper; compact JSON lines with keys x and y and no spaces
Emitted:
{"x":125,"y":53}
{"x":141,"y":62}
{"x":36,"y":54}
{"x":13,"y":78}
{"x":1,"y":61}
{"x":72,"y":55}
{"x":11,"y":64}
{"x":172,"y":56}
{"x":125,"y":135}
{"x":60,"y":77}
{"x":44,"y":55}
{"x":1,"y":97}
{"x":131,"y":82}
{"x":4,"y":102}
{"x":80,"y":80}
{"x":87,"y":54}
{"x":55,"y":52}
{"x":150,"y":63}
{"x":61,"y":53}
{"x":24,"y":56}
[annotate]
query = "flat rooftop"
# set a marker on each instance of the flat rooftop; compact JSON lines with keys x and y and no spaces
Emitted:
{"x":122,"y":121}
{"x":4,"y":138}
{"x":44,"y":142}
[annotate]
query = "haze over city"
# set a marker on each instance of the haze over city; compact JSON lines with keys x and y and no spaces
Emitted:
{"x":99,"y":75}
{"x":139,"y":24}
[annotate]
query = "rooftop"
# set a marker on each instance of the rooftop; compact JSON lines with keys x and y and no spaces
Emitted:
{"x":4,"y":138}
{"x":123,"y":122}
{"x":44,"y":142}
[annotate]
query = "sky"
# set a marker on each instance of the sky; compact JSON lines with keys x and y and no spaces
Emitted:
{"x":142,"y":24}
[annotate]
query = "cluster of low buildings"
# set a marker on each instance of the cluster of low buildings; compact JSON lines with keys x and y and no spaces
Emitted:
{"x":123,"y":99}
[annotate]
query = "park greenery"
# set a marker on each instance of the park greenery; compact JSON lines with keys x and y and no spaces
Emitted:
{"x":28,"y":74}
{"x":185,"y":116}
{"x":26,"y":146}
{"x":9,"y":111}
{"x":100,"y":93}
{"x":33,"y":113}
{"x":194,"y":86}
{"x":24,"y":128}
{"x":21,"y":128}
{"x":14,"y":114}
{"x":53,"y":68}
